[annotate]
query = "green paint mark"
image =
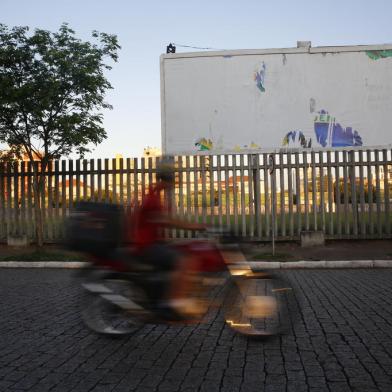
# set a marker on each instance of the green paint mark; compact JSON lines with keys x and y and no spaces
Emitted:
{"x":379,"y":54}
{"x":204,"y":144}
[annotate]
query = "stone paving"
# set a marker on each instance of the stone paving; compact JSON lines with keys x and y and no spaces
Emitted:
{"x":342,"y":341}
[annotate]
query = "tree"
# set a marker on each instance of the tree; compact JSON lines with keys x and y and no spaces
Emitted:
{"x":52,"y":89}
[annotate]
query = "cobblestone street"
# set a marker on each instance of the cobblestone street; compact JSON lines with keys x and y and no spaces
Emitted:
{"x":342,"y":342}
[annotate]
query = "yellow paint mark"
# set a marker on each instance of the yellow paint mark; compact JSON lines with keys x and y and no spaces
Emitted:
{"x":233,"y":324}
{"x":282,"y":289}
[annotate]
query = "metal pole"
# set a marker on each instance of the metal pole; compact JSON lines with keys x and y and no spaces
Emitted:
{"x":271,"y":164}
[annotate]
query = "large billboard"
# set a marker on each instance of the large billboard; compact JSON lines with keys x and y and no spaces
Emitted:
{"x":323,"y":97}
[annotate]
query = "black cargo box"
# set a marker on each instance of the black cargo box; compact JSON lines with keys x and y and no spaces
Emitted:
{"x":95,"y":228}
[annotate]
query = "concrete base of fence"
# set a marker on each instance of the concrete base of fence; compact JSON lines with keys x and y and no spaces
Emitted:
{"x":255,"y":265}
{"x":338,"y":264}
{"x":312,"y":238}
{"x":18,"y":240}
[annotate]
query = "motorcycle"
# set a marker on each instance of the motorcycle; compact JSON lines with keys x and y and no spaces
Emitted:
{"x":120,"y":290}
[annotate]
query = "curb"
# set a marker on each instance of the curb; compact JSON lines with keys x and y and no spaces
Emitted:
{"x":351,"y":264}
{"x":338,"y":264}
{"x":43,"y":264}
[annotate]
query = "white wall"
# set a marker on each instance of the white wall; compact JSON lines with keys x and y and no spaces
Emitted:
{"x":217,"y":98}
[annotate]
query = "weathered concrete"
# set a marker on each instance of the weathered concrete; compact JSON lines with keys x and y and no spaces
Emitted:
{"x":382,"y":263}
{"x":18,"y":240}
{"x":349,"y":264}
{"x":312,"y":238}
{"x":43,"y":264}
{"x":322,"y":264}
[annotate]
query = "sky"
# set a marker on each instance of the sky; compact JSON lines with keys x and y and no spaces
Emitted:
{"x":145,"y":27}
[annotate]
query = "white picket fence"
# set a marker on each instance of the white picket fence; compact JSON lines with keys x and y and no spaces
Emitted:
{"x":344,"y":193}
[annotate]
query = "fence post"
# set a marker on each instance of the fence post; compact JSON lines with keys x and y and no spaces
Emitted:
{"x":271,"y":170}
{"x":169,"y":193}
{"x":387,"y":228}
{"x":354,"y":204}
{"x":256,"y":190}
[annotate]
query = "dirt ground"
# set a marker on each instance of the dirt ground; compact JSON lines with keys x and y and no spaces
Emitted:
{"x":333,"y":250}
{"x":32,"y":253}
{"x":285,"y":251}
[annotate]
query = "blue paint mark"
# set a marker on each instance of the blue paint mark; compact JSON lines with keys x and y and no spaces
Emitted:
{"x":331,"y":133}
{"x":345,"y":137}
{"x":297,"y":139}
{"x":321,"y":127}
{"x":328,"y":132}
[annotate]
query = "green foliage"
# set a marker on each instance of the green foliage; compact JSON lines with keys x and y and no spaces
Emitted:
{"x":9,"y":155}
{"x":52,"y":88}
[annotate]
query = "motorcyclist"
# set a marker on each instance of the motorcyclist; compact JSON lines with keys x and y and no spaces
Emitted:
{"x":149,"y":222}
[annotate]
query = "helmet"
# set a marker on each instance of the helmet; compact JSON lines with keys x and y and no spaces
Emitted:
{"x":165,"y":169}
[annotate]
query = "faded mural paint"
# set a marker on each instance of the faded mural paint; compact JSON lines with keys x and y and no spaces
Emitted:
{"x":296,"y":139}
{"x":279,"y":100}
{"x":251,"y":146}
{"x":328,"y":133}
{"x":204,"y":144}
{"x":379,"y":54}
{"x":259,"y":77}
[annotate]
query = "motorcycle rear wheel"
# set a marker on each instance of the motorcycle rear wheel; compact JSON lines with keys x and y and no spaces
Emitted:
{"x":104,"y":317}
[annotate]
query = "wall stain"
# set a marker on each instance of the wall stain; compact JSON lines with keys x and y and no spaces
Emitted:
{"x":312,"y":105}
